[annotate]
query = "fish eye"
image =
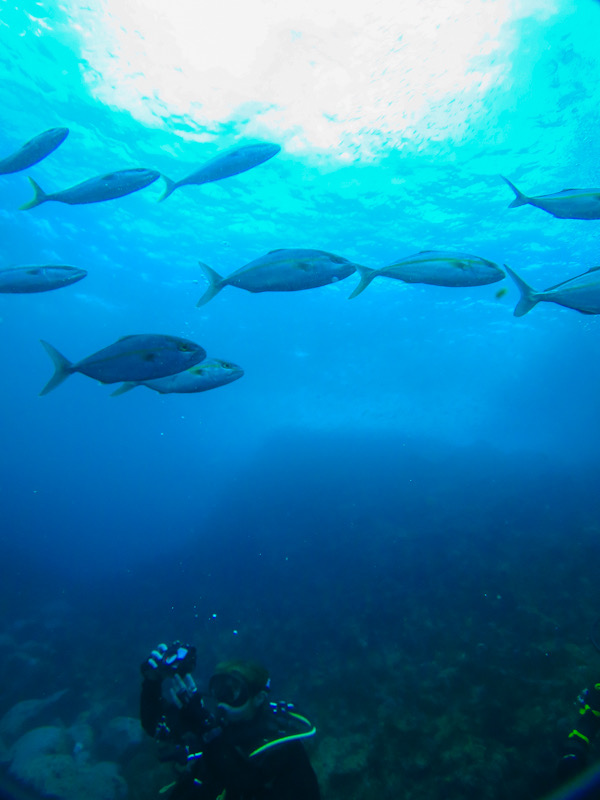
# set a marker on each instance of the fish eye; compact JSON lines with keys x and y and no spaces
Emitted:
{"x":184,"y":347}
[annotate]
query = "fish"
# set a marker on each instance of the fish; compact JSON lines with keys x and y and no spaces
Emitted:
{"x":281,"y":271}
{"x":24,"y":280}
{"x":436,"y":267}
{"x":33,"y":151}
{"x":96,"y":190}
{"x":231,"y":162}
{"x":209,"y":374}
{"x":566,"y":204}
{"x":581,"y":293}
{"x":140,"y":357}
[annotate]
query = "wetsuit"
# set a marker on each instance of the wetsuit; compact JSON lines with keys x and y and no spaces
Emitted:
{"x":230,"y":761}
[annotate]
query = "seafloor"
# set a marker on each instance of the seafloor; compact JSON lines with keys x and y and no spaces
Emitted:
{"x":433,"y":623}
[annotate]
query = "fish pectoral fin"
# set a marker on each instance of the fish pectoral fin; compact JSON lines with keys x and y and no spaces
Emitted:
{"x":303,"y":266}
{"x":35,"y":271}
{"x":149,"y":357}
{"x":124,"y":387}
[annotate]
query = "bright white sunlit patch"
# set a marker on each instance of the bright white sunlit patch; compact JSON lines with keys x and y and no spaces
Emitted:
{"x":320,"y":74}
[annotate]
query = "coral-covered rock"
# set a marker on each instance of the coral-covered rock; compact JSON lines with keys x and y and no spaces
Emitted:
{"x":121,"y":735}
{"x":342,"y":755}
{"x":17,"y":718}
{"x":45,"y":759}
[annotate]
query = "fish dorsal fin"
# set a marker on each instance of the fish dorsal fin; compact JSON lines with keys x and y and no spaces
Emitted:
{"x":278,"y":250}
{"x":124,"y":338}
{"x":593,"y":269}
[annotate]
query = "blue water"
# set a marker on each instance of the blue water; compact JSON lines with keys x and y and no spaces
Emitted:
{"x":396,"y":508}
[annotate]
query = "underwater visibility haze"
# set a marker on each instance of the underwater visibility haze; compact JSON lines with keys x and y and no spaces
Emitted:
{"x":323,"y":280}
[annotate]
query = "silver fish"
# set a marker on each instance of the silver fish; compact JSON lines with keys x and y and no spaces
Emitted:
{"x":33,"y":151}
{"x":581,"y":293}
{"x":436,"y":267}
{"x":224,"y":165}
{"x":209,"y":374}
{"x":281,"y":271}
{"x":96,"y":190}
{"x":23,"y":280}
{"x":140,"y":357}
{"x":567,"y":204}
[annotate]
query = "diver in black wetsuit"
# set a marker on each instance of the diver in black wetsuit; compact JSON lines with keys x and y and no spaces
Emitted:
{"x":230,"y":743}
{"x":576,"y":756}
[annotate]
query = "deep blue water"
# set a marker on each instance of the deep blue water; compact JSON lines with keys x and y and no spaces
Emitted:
{"x":396,"y":508}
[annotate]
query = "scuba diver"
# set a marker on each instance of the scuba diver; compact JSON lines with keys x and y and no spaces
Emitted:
{"x":230,"y":743}
{"x":576,"y":757}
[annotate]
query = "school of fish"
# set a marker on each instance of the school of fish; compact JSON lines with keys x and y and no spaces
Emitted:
{"x":172,"y":365}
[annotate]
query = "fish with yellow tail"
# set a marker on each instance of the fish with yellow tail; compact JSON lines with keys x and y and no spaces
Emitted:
{"x":225,"y":165}
{"x":209,"y":374}
{"x":26,"y":280}
{"x":435,"y":267}
{"x":566,"y":204}
{"x":581,"y":293}
{"x":96,"y":190}
{"x":286,"y":270}
{"x":33,"y":151}
{"x":140,"y":357}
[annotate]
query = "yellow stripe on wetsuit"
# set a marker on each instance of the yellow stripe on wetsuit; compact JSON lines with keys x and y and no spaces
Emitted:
{"x":575,"y":734}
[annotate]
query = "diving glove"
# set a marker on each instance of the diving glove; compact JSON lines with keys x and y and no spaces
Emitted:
{"x":168,"y":661}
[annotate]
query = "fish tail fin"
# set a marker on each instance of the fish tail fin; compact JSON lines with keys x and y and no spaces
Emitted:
{"x":39,"y":197}
{"x":124,"y":387}
{"x":520,"y":198}
{"x":170,"y":187}
{"x":62,"y":368}
{"x":366,"y":276}
{"x":529,"y":297}
{"x":215,"y":284}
